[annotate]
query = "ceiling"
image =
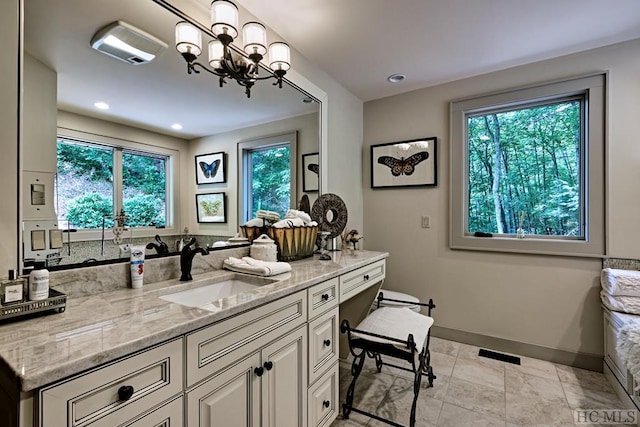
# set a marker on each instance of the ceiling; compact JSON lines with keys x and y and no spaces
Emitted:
{"x":151,"y":96}
{"x":361,"y":42}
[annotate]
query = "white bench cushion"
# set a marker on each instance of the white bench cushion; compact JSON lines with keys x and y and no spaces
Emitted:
{"x":396,"y":323}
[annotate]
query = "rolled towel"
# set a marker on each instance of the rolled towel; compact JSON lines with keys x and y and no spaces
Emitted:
{"x":253,"y":266}
{"x":269,"y":215}
{"x":293,"y":213}
{"x":620,"y":282}
{"x":256,"y":222}
{"x":289,"y":223}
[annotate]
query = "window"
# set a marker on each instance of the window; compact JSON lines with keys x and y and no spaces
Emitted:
{"x":268,"y":181}
{"x":95,"y":181}
{"x":528,"y":168}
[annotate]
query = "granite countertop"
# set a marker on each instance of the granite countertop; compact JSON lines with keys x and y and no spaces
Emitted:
{"x":103,"y":327}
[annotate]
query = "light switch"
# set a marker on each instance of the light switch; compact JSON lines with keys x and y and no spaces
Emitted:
{"x":38,"y":240}
{"x":55,"y":239}
{"x":37,"y":194}
{"x":426,"y":221}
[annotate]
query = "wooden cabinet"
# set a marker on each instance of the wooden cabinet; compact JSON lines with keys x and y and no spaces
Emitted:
{"x":266,"y":388}
{"x":358,"y":280}
{"x":116,"y":393}
{"x":324,"y":405}
{"x":323,"y":343}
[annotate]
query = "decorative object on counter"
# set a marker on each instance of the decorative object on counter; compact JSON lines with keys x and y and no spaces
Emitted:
{"x":294,"y":243}
{"x":264,"y":249}
{"x":160,"y":247}
{"x":253,"y":266}
{"x":310,"y":172}
{"x":14,"y":289}
{"x":304,"y":205}
{"x":237,"y":240}
{"x":324,"y":253}
{"x":118,"y":228}
{"x":520,"y":232}
{"x":330,"y":212}
{"x":186,"y":259}
{"x":55,"y":301}
{"x":211,"y":208}
{"x":39,"y":282}
{"x":211,"y":168}
{"x":404,"y":164}
{"x":227,"y":61}
{"x":137,"y":266}
{"x":352,"y":238}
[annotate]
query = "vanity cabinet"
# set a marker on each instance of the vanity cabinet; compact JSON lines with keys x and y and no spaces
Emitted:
{"x":118,"y":392}
{"x":264,"y":389}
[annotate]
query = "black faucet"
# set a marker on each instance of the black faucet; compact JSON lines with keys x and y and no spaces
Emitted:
{"x":186,"y":259}
{"x":160,"y":247}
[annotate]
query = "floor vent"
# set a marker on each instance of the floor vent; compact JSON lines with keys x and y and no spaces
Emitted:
{"x":499,"y":356}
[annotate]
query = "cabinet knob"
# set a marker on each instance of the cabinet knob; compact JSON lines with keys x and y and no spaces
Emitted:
{"x":325,"y":297}
{"x":258,"y":371}
{"x":327,"y":343}
{"x":366,"y":277}
{"x":125,"y":392}
{"x":326,"y":403}
{"x":268,"y":365}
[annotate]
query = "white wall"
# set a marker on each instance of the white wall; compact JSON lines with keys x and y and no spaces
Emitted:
{"x":307,"y":128}
{"x":9,"y":161}
{"x":548,"y":301}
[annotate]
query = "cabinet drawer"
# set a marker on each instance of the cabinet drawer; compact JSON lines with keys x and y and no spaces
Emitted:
{"x":323,"y":402}
{"x":213,"y":348}
{"x":92,"y":398}
{"x":168,"y":415}
{"x":356,"y":281}
{"x":323,"y":343}
{"x":322,"y":297}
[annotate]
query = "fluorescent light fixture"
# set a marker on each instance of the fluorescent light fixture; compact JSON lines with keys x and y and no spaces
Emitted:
{"x":101,"y":105}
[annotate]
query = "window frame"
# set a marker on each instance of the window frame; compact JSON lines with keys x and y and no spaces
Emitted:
{"x":592,"y":168}
{"x":119,"y":146}
{"x":244,"y":150}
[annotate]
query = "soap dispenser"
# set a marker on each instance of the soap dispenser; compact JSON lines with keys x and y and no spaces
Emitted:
{"x":39,"y":282}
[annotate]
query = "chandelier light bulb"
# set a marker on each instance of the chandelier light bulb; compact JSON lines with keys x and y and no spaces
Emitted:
{"x":279,"y":56}
{"x":224,"y":18}
{"x":216,"y":52}
{"x":254,"y":35}
{"x":188,"y":38}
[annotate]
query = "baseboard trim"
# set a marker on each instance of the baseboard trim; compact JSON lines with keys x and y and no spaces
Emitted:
{"x":591,"y":362}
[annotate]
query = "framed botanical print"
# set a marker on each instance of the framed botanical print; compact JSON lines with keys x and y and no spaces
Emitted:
{"x":404,"y":164}
{"x":211,"y":168}
{"x":211,"y":207}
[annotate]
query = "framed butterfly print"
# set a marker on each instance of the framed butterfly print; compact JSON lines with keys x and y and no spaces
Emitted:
{"x":211,"y":168}
{"x":211,"y":207}
{"x":404,"y":164}
{"x":310,"y":172}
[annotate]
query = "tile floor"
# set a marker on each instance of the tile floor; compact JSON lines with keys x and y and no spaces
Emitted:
{"x":476,"y":391}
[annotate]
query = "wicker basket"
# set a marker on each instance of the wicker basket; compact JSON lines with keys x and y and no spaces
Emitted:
{"x":252,"y":233}
{"x":294,"y":243}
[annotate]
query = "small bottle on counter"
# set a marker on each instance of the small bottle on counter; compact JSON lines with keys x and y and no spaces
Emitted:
{"x":39,"y":282}
{"x":12,"y":290}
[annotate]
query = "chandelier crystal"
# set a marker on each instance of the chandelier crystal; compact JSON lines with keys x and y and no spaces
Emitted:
{"x":226,"y":62}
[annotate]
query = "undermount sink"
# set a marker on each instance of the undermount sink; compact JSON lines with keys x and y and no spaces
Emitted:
{"x":205,"y":296}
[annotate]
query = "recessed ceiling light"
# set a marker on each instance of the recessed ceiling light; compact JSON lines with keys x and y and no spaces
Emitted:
{"x":176,"y":126}
{"x":396,"y":78}
{"x":101,"y":105}
{"x":307,"y":100}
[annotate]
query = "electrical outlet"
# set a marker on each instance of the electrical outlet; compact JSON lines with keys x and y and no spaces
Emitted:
{"x":426,"y":221}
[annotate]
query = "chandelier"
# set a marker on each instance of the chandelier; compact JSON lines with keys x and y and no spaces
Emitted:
{"x":225,"y":61}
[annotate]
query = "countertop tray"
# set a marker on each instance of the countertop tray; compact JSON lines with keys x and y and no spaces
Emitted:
{"x":57,"y":301}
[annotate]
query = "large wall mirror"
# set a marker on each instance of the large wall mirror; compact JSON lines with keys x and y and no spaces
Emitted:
{"x":63,"y":80}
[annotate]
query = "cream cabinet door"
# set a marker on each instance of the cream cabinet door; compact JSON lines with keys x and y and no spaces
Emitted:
{"x":230,"y":399}
{"x":284,"y":381}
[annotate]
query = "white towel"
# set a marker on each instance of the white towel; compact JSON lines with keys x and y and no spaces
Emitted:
{"x":624,"y":304}
{"x":396,"y":323}
{"x":256,"y":222}
{"x":253,"y":266}
{"x":268,"y":215}
{"x":620,"y":282}
{"x":293,"y":213}
{"x":288,"y":223}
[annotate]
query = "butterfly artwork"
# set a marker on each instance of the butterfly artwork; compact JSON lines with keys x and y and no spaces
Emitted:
{"x":403,"y":166}
{"x":314,"y":167}
{"x":311,"y":172}
{"x":210,"y":168}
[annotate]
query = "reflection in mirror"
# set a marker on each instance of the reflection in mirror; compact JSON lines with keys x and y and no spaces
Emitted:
{"x":158,"y":119}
